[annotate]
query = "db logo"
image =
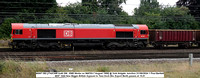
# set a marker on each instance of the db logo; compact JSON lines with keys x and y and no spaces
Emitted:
{"x":68,"y":33}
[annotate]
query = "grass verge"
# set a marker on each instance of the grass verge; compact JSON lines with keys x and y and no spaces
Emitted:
{"x":20,"y":69}
{"x":171,"y":69}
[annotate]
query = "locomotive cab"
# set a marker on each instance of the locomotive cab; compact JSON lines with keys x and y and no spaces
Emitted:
{"x":143,"y":35}
{"x":17,"y":30}
{"x":143,"y":32}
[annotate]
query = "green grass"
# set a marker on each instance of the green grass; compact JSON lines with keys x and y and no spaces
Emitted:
{"x":21,"y":69}
{"x":171,"y":70}
{"x":16,"y":69}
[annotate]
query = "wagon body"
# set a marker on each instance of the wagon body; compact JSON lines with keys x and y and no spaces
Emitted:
{"x":168,"y":37}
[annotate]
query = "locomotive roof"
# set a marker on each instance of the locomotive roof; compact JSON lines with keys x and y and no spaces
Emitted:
{"x":72,"y":25}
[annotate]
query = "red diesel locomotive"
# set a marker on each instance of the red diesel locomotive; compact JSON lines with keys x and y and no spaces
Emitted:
{"x":67,"y":35}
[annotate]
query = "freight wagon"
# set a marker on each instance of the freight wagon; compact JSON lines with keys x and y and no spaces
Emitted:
{"x":183,"y":38}
{"x":67,"y":35}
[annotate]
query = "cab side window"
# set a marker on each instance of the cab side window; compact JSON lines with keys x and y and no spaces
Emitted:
{"x":17,"y":32}
{"x":143,"y":32}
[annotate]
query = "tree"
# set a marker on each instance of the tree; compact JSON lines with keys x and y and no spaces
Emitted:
{"x":156,"y":17}
{"x":26,"y":8}
{"x":193,"y":5}
{"x":148,"y":13}
{"x":147,"y":6}
{"x":86,"y":14}
{"x":38,"y":6}
{"x":177,"y":18}
{"x":5,"y":28}
{"x":93,"y":4}
{"x":112,"y":6}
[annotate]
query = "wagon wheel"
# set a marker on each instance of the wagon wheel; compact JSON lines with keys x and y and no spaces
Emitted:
{"x":158,"y":46}
{"x":186,"y":46}
{"x":198,"y":44}
{"x":180,"y":46}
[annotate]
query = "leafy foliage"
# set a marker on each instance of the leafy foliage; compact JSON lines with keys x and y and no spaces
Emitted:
{"x":193,"y":6}
{"x":38,"y":6}
{"x":157,"y":17}
{"x":147,"y":6}
{"x":178,"y":18}
{"x":111,"y":6}
{"x":5,"y":28}
{"x":26,"y":10}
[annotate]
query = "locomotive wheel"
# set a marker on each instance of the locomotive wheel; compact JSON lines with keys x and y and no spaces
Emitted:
{"x":112,"y":45}
{"x":13,"y":48}
{"x":54,"y":48}
{"x":141,"y":46}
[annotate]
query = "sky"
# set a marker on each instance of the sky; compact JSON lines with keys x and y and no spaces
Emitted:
{"x":128,"y":7}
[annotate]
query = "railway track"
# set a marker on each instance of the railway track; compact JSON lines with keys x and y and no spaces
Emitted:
{"x":6,"y":53}
{"x":100,"y":56}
